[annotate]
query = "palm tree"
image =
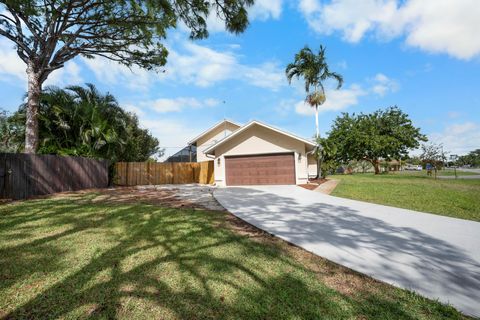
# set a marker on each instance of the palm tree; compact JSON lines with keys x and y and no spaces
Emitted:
{"x":314,"y":70}
{"x":325,"y":152}
{"x":80,"y":121}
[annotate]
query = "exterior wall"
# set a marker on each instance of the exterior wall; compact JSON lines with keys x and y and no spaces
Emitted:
{"x":211,"y":138}
{"x":260,"y":140}
{"x":312,"y":166}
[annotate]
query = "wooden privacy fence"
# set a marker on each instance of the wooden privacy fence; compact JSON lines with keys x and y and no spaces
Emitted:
{"x":142,"y":173}
{"x":26,"y":175}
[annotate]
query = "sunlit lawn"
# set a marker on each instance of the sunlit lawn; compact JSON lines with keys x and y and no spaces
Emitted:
{"x":73,"y":258}
{"x":414,"y":190}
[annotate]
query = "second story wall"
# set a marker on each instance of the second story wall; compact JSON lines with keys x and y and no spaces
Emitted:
{"x":213,"y":137}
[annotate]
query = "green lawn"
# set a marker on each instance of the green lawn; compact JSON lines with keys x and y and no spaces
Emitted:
{"x":455,"y":198}
{"x":444,"y":172}
{"x":76,"y":258}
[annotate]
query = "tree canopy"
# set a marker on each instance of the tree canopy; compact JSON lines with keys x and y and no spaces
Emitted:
{"x":325,"y":152}
{"x":83,"y":122}
{"x":471,"y":159}
{"x":384,"y":134}
{"x":46,"y":34}
{"x":9,"y":127}
{"x":49,"y":33}
{"x":433,"y":154}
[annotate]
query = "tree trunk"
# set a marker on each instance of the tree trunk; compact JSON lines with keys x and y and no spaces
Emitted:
{"x":33,"y":102}
{"x":319,"y":164}
{"x":317,"y":135}
{"x":376,"y":166}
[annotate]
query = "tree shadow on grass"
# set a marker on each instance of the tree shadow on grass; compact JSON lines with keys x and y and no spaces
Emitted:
{"x":153,"y":262}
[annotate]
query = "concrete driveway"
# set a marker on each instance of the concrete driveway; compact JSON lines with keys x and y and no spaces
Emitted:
{"x":436,"y":256}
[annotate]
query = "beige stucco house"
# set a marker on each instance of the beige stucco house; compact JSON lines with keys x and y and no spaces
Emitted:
{"x":255,"y":154}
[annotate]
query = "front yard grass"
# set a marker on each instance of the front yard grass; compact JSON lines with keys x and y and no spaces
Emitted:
{"x":440,"y":173}
{"x":449,"y":197}
{"x":451,"y":172}
{"x":79,"y":257}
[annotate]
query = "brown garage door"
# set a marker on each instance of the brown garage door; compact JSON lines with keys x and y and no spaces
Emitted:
{"x":264,"y":169}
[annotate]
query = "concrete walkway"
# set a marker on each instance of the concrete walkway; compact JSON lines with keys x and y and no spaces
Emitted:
{"x":436,"y":256}
{"x":328,"y":186}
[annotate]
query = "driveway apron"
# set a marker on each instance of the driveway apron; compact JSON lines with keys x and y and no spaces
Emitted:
{"x":438,"y":257}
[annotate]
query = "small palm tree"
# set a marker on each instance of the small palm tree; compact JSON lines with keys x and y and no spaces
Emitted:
{"x":325,"y":152}
{"x":314,"y":70}
{"x":80,"y":121}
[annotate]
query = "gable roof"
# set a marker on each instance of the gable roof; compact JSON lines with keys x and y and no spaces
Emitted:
{"x":249,"y":125}
{"x":211,"y":129}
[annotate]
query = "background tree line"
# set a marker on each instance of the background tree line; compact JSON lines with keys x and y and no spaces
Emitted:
{"x":470,"y":159}
{"x":81,"y":121}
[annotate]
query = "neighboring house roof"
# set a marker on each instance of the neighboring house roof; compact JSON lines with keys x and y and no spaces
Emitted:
{"x":187,"y":154}
{"x":249,"y":125}
{"x":194,"y":140}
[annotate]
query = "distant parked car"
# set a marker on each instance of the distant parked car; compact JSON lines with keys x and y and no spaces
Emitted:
{"x":413,"y":167}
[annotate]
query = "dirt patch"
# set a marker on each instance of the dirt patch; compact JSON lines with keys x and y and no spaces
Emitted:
{"x":318,"y":181}
{"x":313,"y":184}
{"x":172,"y":197}
{"x":309,"y":186}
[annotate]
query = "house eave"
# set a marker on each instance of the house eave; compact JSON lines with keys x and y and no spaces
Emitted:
{"x":211,"y":149}
{"x":194,"y":140}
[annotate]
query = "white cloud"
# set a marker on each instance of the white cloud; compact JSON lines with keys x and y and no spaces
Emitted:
{"x":188,"y":63}
{"x":211,"y":102}
{"x":199,"y":65}
{"x":267,"y":76}
{"x":383,"y":85}
{"x":13,"y":68}
{"x":173,"y":134}
{"x":284,"y":107}
{"x":68,"y":75}
{"x":174,"y":105}
{"x":133,"y":108}
{"x":438,"y":26}
{"x":262,"y":10}
{"x":113,"y":73}
{"x":458,"y":138}
{"x":204,"y":67}
{"x":10,"y":64}
{"x":265,"y":9}
{"x":344,"y":98}
{"x":352,"y":17}
{"x":336,"y":100}
{"x":164,"y":105}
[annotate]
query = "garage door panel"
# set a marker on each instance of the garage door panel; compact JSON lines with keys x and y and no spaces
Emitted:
{"x":258,"y":170}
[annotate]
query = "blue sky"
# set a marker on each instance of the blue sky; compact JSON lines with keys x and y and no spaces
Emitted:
{"x":422,"y":55}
